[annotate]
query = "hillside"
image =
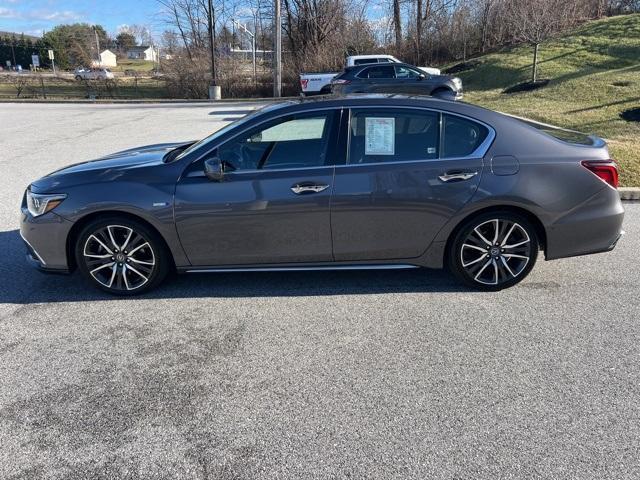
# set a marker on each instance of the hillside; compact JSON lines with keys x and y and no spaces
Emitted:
{"x":595,"y":75}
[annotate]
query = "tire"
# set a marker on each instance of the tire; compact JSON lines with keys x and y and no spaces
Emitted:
{"x":78,"y":78}
{"x":140,"y":266}
{"x":444,"y":94}
{"x":481,"y":262}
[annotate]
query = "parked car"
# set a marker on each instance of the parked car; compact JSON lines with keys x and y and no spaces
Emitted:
{"x":320,"y":83}
{"x":359,"y":182}
{"x":82,"y":73}
{"x":396,"y":78}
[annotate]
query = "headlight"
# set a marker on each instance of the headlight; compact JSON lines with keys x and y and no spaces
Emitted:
{"x":457,"y":82}
{"x":40,"y":204}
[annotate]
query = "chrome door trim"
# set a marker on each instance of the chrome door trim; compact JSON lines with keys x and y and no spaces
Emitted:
{"x":299,"y":189}
{"x":398,"y":266}
{"x":447,"y":177}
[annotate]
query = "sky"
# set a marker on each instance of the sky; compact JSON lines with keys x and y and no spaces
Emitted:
{"x":33,"y":17}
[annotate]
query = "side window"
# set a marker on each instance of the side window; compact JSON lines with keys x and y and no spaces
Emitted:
{"x":385,"y":71}
{"x":392,"y":135}
{"x":461,"y":137}
{"x":292,"y":143}
{"x":404,"y":72}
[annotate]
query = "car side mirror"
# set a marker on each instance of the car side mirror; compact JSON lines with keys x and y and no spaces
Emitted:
{"x":422,"y":76}
{"x":214,"y":169}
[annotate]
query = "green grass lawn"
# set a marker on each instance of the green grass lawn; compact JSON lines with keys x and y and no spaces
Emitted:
{"x":66,"y":88}
{"x":595,"y":75}
{"x":130,"y":64}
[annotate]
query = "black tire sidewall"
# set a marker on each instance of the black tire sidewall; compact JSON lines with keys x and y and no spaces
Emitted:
{"x":455,"y":262}
{"x":159,"y":250}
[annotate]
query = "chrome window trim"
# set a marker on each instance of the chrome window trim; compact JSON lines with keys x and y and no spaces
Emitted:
{"x":479,"y":152}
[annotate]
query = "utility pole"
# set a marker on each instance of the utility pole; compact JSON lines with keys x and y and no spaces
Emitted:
{"x":13,"y":52}
{"x":277,"y":52}
{"x":214,"y":89}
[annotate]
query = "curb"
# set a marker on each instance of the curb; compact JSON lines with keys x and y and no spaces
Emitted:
{"x":629,"y":193}
{"x":148,"y":100}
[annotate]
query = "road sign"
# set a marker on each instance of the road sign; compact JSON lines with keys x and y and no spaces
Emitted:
{"x":35,"y":60}
{"x":50,"y":54}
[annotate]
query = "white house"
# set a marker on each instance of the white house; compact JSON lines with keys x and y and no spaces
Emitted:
{"x":143,"y":52}
{"x":107,"y":59}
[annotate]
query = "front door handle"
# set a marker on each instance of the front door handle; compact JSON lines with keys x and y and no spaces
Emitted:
{"x":448,"y":177}
{"x":302,"y":188}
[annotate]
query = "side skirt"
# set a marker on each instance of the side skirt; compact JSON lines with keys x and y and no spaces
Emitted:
{"x":293,"y":268}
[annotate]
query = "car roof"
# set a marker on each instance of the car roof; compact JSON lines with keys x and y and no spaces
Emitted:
{"x":381,"y":99}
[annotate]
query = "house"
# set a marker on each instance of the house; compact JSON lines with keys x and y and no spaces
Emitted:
{"x":143,"y":52}
{"x":107,"y":59}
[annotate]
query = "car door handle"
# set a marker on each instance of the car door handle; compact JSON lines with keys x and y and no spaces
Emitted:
{"x":448,"y":177}
{"x":302,"y":188}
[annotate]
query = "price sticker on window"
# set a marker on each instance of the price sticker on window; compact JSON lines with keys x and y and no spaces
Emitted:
{"x":379,"y":136}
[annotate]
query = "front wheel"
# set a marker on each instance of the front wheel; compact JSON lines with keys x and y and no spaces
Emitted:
{"x":121,"y":256}
{"x":494,"y":251}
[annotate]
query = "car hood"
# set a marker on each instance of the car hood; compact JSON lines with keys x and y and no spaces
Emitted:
{"x":106,"y":168}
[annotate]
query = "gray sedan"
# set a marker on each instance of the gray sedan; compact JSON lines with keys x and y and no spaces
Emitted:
{"x":360,"y":182}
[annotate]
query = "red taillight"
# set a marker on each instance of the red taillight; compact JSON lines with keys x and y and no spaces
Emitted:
{"x":606,"y":170}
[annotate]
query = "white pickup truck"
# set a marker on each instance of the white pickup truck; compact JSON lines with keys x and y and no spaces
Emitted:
{"x":320,"y":83}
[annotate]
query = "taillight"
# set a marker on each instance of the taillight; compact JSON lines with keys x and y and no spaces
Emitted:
{"x":606,"y":170}
{"x":340,"y":81}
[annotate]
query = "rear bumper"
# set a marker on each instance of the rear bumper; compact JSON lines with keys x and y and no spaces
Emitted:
{"x":594,"y":226}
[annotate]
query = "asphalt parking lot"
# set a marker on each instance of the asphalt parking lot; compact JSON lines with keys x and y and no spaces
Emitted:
{"x":303,"y":375}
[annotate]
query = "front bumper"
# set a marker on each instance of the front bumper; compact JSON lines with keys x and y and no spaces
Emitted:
{"x":45,"y":238}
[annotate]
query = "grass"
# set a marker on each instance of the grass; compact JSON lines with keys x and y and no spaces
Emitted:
{"x":66,"y":88}
{"x":131,"y":64}
{"x":595,"y":75}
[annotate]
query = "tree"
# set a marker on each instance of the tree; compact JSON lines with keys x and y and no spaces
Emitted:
{"x":534,"y":21}
{"x":124,"y":41}
{"x":75,"y":44}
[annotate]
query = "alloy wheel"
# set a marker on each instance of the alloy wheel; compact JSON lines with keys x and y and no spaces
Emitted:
{"x":496,"y":251}
{"x":119,"y":258}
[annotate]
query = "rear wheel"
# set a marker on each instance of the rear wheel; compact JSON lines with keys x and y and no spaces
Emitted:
{"x":78,"y":78}
{"x":494,"y":251}
{"x":121,"y":256}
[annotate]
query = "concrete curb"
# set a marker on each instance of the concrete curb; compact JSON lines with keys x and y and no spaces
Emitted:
{"x":146,"y":100}
{"x":629,"y":193}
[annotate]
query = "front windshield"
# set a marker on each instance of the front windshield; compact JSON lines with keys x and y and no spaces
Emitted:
{"x":218,"y":133}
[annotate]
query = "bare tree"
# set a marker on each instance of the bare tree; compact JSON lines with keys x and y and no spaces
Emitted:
{"x":534,"y":21}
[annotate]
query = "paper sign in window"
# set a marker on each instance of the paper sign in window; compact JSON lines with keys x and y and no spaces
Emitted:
{"x":379,"y":136}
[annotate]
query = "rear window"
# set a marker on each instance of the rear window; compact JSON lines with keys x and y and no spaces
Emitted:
{"x":461,"y":137}
{"x":567,"y":136}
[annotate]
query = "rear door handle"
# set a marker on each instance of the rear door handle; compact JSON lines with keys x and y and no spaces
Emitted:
{"x":303,"y":188}
{"x":448,"y":177}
